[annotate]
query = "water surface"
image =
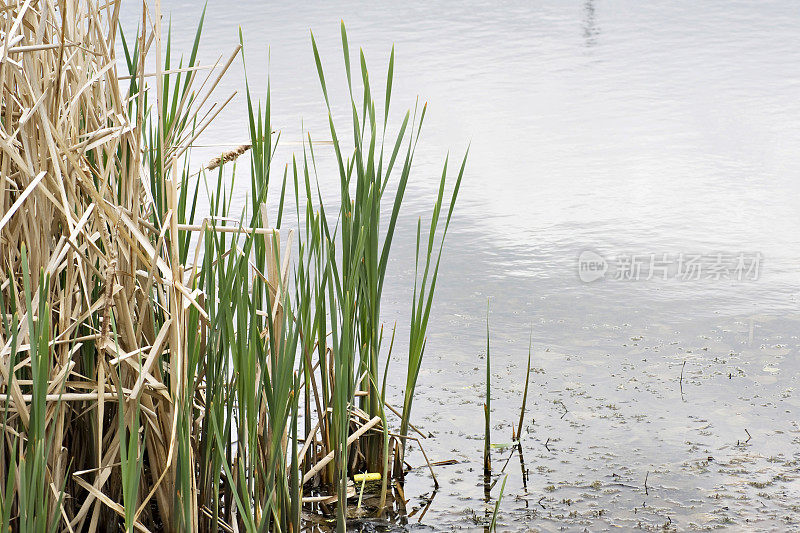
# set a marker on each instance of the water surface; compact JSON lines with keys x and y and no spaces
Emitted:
{"x":624,"y":128}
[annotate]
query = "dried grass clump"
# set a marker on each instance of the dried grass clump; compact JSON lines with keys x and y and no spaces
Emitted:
{"x":150,"y":381}
{"x":100,"y":258}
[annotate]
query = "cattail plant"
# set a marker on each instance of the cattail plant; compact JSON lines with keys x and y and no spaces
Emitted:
{"x":167,"y":371}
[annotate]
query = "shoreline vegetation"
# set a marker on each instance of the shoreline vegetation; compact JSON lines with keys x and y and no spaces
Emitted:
{"x":166,"y":371}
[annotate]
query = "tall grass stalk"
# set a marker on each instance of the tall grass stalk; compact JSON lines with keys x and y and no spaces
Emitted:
{"x":424,"y":288}
{"x":518,"y":435}
{"x":487,"y":406}
{"x":493,"y":523}
{"x":358,"y":266}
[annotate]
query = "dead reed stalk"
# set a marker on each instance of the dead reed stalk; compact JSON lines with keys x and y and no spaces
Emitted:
{"x":103,"y":260}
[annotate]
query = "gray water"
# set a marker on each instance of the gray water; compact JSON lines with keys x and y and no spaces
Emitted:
{"x":621,"y":128}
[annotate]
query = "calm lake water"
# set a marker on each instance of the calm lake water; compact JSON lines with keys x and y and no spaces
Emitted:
{"x":627,"y":129}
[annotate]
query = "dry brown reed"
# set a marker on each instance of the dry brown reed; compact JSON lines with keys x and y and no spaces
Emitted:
{"x":77,"y":197}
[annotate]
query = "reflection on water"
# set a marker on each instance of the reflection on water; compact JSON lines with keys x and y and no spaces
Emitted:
{"x":621,"y":128}
{"x":590,"y":29}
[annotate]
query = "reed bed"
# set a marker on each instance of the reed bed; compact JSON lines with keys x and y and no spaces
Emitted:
{"x":166,"y":371}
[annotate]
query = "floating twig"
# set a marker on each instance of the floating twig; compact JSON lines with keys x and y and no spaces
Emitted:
{"x":446,"y":462}
{"x":565,"y":408}
{"x":427,"y":506}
